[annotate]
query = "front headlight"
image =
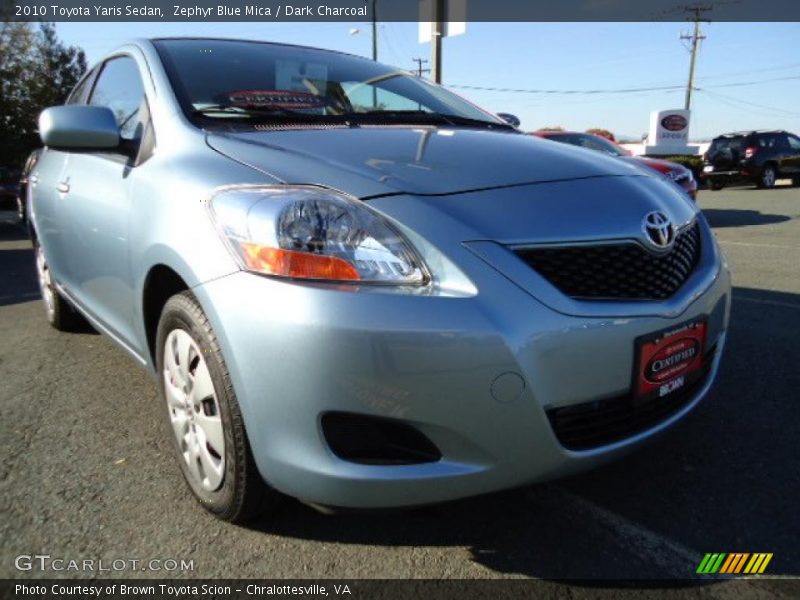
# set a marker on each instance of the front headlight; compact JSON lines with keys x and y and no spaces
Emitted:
{"x":306,"y":232}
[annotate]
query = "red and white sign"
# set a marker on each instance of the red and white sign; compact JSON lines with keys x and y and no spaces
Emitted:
{"x":669,"y":128}
{"x":666,"y":358}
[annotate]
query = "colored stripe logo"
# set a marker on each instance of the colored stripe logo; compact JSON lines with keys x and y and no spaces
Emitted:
{"x":734,"y":563}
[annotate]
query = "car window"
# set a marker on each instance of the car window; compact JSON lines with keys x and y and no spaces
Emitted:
{"x":120,"y":88}
{"x":78,"y":95}
{"x":770,"y":141}
{"x":598,"y":143}
{"x":794,"y":143}
{"x":212,"y":74}
{"x":722,"y":144}
{"x":364,"y":97}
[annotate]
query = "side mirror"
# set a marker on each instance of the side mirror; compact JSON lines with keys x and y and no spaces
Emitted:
{"x":79,"y":127}
{"x":512,"y":120}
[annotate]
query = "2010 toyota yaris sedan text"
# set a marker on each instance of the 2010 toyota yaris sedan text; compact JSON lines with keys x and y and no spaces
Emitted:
{"x":357,"y":288}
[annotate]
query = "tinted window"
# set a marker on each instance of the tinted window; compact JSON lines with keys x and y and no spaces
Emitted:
{"x":120,"y":88}
{"x":305,"y":81}
{"x":726,"y":143}
{"x":78,"y":95}
{"x":768,"y":141}
{"x":794,"y":143}
{"x":586,"y":141}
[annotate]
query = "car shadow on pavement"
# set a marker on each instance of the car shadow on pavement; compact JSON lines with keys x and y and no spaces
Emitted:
{"x":12,"y":232}
{"x":731,"y":217}
{"x":724,"y":479}
{"x":17,"y":266}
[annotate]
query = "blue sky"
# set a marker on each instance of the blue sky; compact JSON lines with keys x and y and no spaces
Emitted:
{"x":558,"y":56}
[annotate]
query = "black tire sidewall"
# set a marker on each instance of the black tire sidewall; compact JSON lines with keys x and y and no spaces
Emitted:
{"x":183,"y":312}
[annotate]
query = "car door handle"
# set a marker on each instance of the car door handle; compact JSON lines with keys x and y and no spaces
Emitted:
{"x":63,"y":187}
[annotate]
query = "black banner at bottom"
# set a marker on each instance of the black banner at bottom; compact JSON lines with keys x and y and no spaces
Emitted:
{"x":391,"y":589}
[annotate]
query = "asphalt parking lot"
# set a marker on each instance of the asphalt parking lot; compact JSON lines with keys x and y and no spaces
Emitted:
{"x":88,"y":469}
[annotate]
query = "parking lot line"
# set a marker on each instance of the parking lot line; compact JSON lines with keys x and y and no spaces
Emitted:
{"x":779,"y":246}
{"x":769,"y":302}
{"x":675,"y":559}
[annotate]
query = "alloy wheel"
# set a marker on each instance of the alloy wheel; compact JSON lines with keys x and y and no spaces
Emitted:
{"x":768,"y":177}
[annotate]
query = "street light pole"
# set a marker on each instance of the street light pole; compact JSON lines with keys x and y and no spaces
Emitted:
{"x":436,"y":40}
{"x":374,"y":30}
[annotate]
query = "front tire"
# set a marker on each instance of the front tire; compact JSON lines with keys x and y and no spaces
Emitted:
{"x":203,"y":415}
{"x":767,"y":178}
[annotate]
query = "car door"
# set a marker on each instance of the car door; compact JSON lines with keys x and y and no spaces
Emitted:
{"x":99,"y":188}
{"x":48,"y":213}
{"x":792,"y":160}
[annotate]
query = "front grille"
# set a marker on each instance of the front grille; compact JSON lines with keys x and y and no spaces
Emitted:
{"x":592,"y":424}
{"x":617,"y":271}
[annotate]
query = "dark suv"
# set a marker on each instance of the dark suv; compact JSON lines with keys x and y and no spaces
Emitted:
{"x":761,"y":157}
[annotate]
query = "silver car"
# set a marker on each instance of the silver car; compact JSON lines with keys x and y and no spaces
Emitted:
{"x":356,"y":288}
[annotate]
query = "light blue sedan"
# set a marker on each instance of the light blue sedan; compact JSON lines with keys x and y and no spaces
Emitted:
{"x":357,"y":288}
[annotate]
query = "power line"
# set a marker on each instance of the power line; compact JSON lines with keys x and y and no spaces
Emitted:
{"x":749,"y":72}
{"x":729,"y":100}
{"x":743,"y":83}
{"x":629,"y":90}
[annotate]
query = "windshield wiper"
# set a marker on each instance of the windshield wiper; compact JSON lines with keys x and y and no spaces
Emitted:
{"x":423,"y":117}
{"x":247,"y":111}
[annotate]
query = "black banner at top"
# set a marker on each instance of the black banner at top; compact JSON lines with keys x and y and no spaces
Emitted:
{"x":401,"y":10}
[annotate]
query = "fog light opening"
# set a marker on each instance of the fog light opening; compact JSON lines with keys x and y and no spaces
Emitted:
{"x":376,"y":440}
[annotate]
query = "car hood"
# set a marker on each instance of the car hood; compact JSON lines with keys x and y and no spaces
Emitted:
{"x":375,"y":161}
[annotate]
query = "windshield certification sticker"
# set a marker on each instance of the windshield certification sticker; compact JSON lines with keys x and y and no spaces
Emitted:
{"x":288,"y":99}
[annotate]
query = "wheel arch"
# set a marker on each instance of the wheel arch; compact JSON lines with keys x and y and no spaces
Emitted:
{"x":160,"y":284}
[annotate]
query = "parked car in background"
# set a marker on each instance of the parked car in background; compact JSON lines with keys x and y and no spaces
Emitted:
{"x":679,"y":174}
{"x":760,"y":157}
{"x":9,"y":188}
{"x":356,"y":288}
{"x":24,"y":183}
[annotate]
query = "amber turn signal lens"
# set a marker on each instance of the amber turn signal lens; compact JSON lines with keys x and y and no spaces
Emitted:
{"x":302,"y":265}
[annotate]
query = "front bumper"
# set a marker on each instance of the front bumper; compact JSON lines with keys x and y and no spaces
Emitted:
{"x":474,"y":371}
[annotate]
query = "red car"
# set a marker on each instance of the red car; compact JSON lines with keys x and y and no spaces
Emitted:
{"x":673,"y":171}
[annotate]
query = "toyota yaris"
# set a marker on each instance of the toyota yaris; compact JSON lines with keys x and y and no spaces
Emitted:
{"x":358,"y":289}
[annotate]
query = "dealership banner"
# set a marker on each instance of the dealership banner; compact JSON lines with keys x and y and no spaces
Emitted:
{"x":393,"y":10}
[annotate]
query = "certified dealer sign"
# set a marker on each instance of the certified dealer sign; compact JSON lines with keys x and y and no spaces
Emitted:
{"x":669,"y":127}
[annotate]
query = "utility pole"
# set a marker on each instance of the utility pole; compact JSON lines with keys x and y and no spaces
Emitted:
{"x":419,"y":62}
{"x":694,"y":39}
{"x":374,"y":49}
{"x":374,"y":30}
{"x":436,"y":40}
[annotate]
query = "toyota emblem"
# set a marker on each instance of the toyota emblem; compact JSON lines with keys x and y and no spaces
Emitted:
{"x":658,"y":230}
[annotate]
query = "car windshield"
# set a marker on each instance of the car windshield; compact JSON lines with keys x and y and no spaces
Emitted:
{"x":586,"y":141}
{"x":236,"y":80}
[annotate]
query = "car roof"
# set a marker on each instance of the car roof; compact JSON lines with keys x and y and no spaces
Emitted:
{"x":751,"y":132}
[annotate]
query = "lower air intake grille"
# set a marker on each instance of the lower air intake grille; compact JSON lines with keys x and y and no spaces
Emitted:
{"x":617,"y":271}
{"x":592,"y":424}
